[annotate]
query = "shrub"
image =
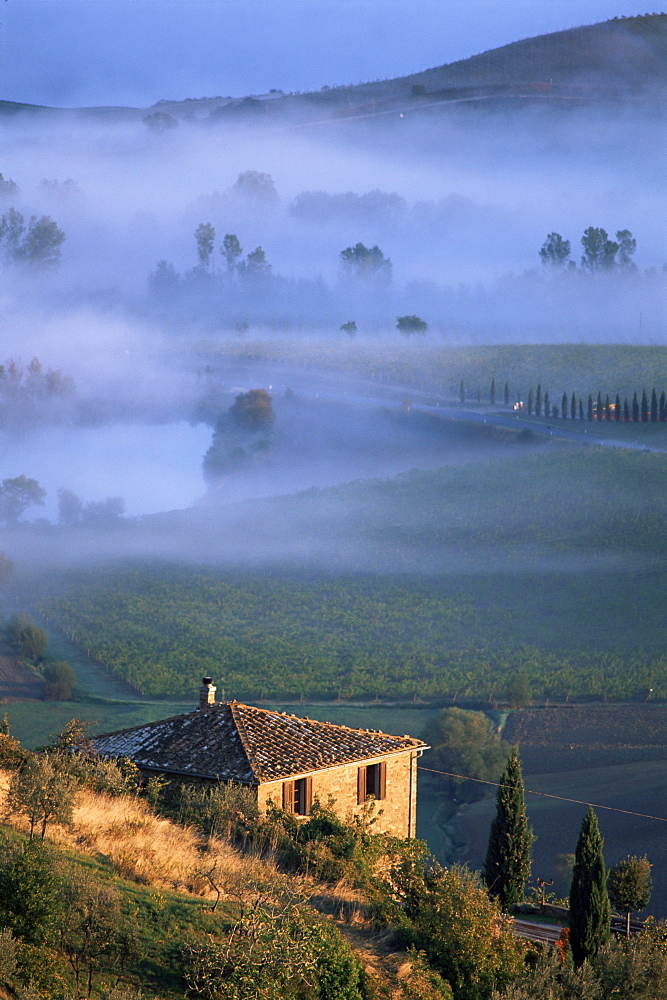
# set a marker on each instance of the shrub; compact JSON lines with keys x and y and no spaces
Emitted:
{"x":60,"y":681}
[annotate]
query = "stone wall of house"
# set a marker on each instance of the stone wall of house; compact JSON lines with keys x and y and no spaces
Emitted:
{"x":398,"y":808}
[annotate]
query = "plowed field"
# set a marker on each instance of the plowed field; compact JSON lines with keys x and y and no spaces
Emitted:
{"x":16,"y":681}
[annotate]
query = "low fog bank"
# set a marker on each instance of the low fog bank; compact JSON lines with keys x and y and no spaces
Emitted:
{"x":458,"y":204}
{"x":96,"y":481}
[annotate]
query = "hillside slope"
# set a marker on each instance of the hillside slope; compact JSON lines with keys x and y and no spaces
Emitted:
{"x":611,"y":59}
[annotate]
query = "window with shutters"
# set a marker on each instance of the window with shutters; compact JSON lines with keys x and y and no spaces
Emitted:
{"x":298,"y":796}
{"x":372,"y":781}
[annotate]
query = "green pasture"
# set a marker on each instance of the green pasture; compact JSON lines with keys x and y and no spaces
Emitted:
{"x":578,"y":368}
{"x":34,"y":722}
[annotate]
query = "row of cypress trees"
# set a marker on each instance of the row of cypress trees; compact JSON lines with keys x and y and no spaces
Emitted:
{"x":507,"y":868}
{"x":637,"y":411}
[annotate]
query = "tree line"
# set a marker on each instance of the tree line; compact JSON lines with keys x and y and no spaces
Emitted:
{"x":642,"y":408}
{"x":19,"y":493}
{"x":600,"y":253}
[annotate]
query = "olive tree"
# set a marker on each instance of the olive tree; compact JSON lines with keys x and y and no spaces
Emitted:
{"x":43,"y":791}
{"x":629,"y":885}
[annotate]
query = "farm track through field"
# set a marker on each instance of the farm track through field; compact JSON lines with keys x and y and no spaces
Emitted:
{"x":17,"y":682}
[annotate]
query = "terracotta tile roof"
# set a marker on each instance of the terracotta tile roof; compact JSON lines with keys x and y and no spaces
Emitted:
{"x":236,"y":742}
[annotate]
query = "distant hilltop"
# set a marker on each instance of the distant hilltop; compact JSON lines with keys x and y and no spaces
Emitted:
{"x":625,"y":57}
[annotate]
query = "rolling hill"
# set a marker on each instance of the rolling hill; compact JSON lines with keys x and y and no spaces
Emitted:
{"x":624,"y":58}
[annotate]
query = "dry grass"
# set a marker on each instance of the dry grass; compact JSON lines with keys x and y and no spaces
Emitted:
{"x":156,"y":852}
{"x":138,"y":844}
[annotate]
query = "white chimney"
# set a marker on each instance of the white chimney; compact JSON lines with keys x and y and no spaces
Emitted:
{"x":207,"y":693}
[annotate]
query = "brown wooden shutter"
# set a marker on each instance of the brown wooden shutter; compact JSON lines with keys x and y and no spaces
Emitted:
{"x":288,"y":796}
{"x":361,"y":786}
{"x":382,"y":783}
{"x":308,"y":796}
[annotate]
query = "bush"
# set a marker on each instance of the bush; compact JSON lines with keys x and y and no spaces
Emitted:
{"x":28,"y":639}
{"x":411,"y":324}
{"x":60,"y":681}
{"x":222,"y":810}
{"x":30,"y":898}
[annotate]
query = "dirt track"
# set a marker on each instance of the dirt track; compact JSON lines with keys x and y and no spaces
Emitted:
{"x":16,"y":681}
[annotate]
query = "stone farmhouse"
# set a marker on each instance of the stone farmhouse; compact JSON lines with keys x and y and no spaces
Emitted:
{"x":290,"y":761}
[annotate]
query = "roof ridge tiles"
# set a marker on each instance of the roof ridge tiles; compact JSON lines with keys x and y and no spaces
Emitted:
{"x":239,"y":742}
{"x":243,"y":736}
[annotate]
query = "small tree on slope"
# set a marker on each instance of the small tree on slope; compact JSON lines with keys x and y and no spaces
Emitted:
{"x":629,"y":886}
{"x":590,"y":911}
{"x":507,"y":865}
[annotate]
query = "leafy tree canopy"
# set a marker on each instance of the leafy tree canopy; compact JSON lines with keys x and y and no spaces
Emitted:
{"x":253,"y":409}
{"x":411,"y":324}
{"x":16,"y":495}
{"x":465,"y":743}
{"x":365,"y":262}
{"x":555,"y":251}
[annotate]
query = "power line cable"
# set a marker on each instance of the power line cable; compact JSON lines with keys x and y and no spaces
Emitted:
{"x":547,"y":795}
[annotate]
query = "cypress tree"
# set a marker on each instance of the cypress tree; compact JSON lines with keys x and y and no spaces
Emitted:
{"x":654,"y":406}
{"x":617,"y":408}
{"x":563,"y":406}
{"x":635,"y":409}
{"x":506,"y":394}
{"x":538,"y":400}
{"x":644,"y":407}
{"x":590,"y":407}
{"x":663,"y":407}
{"x":547,"y":405}
{"x":507,"y":865}
{"x":581,"y":409}
{"x":573,"y":407}
{"x":598,"y":407}
{"x":626,"y":411}
{"x":590,"y":910}
{"x":607,"y":407}
{"x":530,"y":402}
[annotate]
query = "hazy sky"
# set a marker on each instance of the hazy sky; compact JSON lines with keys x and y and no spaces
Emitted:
{"x":134,"y":52}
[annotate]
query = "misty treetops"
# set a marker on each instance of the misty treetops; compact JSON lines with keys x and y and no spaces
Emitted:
{"x":599,"y":252}
{"x":36,"y":242}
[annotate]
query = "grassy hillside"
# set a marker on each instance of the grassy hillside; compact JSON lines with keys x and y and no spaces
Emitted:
{"x":578,"y":368}
{"x":624,"y":51}
{"x":130,"y":901}
{"x":598,"y":60}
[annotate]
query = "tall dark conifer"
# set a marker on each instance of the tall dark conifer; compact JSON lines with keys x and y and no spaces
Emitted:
{"x":507,"y":865}
{"x":644,"y":407}
{"x":590,"y":910}
{"x":617,"y":408}
{"x":635,"y":409}
{"x":654,"y":406}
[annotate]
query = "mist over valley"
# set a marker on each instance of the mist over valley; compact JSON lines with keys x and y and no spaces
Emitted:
{"x":354,"y":398}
